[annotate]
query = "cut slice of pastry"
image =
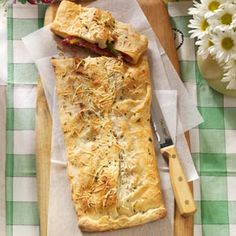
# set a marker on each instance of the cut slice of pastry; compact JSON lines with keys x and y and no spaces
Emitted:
{"x":98,"y":31}
{"x":104,"y":109}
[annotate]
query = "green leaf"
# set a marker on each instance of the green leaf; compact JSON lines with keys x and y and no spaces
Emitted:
{"x":22,"y":1}
{"x":110,"y":46}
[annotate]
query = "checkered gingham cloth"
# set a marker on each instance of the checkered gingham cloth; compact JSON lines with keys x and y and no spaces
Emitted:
{"x":213,"y":143}
{"x":21,"y":193}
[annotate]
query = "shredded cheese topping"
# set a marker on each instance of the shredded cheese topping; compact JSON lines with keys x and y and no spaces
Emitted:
{"x":105,"y":115}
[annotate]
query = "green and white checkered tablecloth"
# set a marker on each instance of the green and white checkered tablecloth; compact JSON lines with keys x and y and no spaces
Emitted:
{"x":21,"y":195}
{"x":213,"y":143}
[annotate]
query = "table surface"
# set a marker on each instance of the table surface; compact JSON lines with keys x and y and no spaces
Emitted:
{"x":212,"y":143}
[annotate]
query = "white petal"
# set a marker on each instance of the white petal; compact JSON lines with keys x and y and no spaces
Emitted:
{"x":231,"y":85}
{"x":225,"y":79}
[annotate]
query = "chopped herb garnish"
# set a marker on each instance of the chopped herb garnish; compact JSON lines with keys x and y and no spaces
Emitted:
{"x":110,"y":47}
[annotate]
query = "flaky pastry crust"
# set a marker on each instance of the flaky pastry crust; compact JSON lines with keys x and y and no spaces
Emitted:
{"x":104,"y":108}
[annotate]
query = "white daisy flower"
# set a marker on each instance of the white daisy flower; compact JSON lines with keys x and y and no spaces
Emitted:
{"x":212,"y":5}
{"x":223,"y":17}
{"x":230,"y":78}
{"x":233,"y":25}
{"x":230,"y":74}
{"x":203,"y":46}
{"x":224,"y":45}
{"x":199,"y":26}
{"x":198,"y":8}
{"x":232,"y":84}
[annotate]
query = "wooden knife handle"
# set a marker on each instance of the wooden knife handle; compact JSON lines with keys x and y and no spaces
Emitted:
{"x":181,"y":189}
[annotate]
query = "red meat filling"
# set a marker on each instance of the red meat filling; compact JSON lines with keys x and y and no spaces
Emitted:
{"x":74,"y":41}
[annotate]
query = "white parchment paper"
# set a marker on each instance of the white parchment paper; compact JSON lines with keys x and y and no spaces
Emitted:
{"x":61,"y":214}
{"x":174,"y":101}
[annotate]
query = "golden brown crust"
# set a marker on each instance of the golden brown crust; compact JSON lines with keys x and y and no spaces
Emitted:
{"x":105,"y":224}
{"x":90,"y":24}
{"x":104,"y":107}
{"x":129,"y":42}
{"x":98,"y":27}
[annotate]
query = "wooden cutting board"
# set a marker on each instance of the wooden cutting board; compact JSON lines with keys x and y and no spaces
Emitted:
{"x":155,"y":11}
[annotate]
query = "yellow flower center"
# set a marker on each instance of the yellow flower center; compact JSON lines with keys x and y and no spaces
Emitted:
{"x":213,"y":5}
{"x":226,"y":19}
{"x":204,"y":25}
{"x":210,"y":43}
{"x":227,"y":43}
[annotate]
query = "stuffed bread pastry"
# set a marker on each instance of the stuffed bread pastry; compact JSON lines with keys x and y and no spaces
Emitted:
{"x":104,"y":109}
{"x":98,"y":31}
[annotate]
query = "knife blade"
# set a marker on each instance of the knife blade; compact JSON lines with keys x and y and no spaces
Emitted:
{"x":181,"y":189}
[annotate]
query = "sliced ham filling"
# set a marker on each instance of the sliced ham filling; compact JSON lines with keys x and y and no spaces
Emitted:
{"x":126,"y":57}
{"x":74,"y":41}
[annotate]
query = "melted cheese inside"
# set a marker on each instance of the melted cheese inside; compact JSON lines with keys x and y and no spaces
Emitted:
{"x":104,"y":107}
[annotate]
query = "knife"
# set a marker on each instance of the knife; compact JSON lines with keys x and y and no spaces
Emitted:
{"x":181,"y":189}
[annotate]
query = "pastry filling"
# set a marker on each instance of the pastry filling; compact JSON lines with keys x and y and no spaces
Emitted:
{"x":109,"y":51}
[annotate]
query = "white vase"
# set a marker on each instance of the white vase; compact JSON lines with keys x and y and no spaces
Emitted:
{"x":212,"y":72}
